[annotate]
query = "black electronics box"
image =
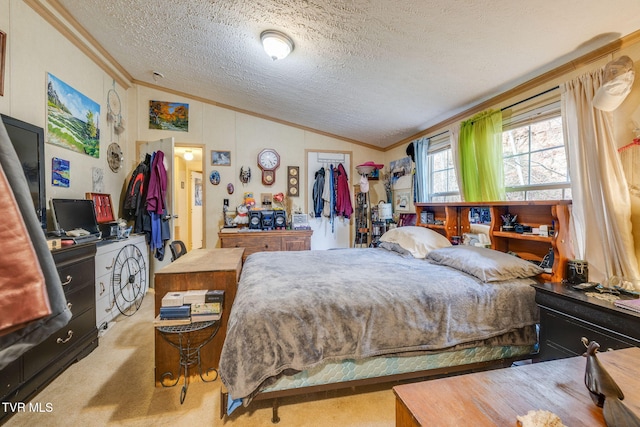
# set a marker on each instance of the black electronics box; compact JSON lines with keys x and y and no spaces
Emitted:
{"x":255,"y":220}
{"x":519,"y":228}
{"x":280,"y":219}
{"x":268,"y":222}
{"x":215,"y":295}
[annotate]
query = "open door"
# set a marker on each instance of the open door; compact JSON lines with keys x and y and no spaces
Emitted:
{"x":195,"y":184}
{"x":165,"y":145}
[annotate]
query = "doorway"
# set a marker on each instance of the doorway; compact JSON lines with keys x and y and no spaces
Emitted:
{"x":189,"y":195}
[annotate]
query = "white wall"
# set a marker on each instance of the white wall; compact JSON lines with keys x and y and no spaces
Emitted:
{"x":245,"y":136}
{"x":35,"y":49}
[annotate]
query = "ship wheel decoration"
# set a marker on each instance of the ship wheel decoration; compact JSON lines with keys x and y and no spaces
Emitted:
{"x":129,"y":280}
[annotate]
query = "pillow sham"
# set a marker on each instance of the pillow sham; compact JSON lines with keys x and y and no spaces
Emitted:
{"x":419,"y":241}
{"x":486,"y":264}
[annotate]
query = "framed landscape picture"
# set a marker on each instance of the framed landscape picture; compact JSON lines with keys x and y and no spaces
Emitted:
{"x":72,"y":118}
{"x":221,"y":158}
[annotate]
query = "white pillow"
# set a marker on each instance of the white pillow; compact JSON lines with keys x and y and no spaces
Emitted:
{"x":419,"y":241}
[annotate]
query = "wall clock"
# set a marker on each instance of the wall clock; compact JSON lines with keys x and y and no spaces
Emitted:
{"x":293,"y":181}
{"x":128,"y":279}
{"x":268,"y":161}
{"x":115,"y":157}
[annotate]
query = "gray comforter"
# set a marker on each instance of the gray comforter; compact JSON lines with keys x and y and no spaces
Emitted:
{"x":294,"y":310}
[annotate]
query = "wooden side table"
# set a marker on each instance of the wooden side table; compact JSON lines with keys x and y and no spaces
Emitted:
{"x":496,"y":398}
{"x":197,"y":269}
{"x":567,"y":315}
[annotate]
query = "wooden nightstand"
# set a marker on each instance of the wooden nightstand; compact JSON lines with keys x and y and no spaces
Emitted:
{"x":567,"y":315}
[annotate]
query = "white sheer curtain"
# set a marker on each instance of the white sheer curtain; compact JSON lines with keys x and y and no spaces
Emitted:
{"x":455,"y":156}
{"x":421,"y":179}
{"x":601,"y":212}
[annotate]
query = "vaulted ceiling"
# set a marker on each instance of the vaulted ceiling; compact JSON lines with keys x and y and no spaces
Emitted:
{"x":371,"y":71}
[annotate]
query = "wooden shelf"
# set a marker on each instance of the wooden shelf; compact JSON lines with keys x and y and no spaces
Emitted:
{"x":553,"y":213}
{"x":434,"y":226}
{"x":520,"y":236}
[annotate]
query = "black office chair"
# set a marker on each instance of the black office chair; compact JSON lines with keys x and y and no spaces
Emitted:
{"x":177,"y":249}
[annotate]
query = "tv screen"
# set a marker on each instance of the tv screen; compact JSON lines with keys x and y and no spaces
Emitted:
{"x":71,"y":214}
{"x":28,"y":141}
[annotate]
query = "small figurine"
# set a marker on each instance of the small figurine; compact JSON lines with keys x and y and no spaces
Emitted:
{"x":605,"y":392}
{"x":242,"y":215}
{"x":508,"y":222}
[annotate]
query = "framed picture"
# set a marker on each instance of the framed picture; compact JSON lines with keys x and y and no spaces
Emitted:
{"x":3,"y":51}
{"x":402,"y":201}
{"x":220,"y":158}
{"x":72,"y":118}
{"x":169,"y":116}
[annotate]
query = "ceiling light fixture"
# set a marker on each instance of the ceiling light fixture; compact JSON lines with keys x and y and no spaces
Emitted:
{"x":188,"y":155}
{"x":277,"y":45}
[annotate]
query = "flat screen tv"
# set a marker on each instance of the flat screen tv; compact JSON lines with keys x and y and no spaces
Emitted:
{"x":28,"y":141}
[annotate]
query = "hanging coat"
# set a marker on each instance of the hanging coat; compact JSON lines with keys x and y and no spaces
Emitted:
{"x":318,"y":187}
{"x":327,"y":193}
{"x":15,"y":343}
{"x":343,"y":195}
{"x":160,"y":231}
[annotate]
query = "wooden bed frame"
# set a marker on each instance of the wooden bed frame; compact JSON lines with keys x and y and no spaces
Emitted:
{"x":452,"y":219}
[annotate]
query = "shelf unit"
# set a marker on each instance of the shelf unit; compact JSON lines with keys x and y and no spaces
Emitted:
{"x":554,"y":213}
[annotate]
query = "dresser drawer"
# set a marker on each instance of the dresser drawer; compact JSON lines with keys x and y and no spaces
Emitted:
{"x":49,"y":350}
{"x":563,"y":334}
{"x":104,"y":262}
{"x":252,"y":244}
{"x":81,"y":300}
{"x":75,"y":276}
{"x":11,"y":376}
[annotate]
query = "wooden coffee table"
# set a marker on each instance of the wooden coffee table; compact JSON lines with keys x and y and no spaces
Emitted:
{"x":496,"y":398}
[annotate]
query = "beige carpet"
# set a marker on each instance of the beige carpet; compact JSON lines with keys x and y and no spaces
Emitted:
{"x":114,"y":385}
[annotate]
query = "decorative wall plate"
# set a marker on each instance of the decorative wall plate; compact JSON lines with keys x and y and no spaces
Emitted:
{"x":214,"y":177}
{"x":115,"y":158}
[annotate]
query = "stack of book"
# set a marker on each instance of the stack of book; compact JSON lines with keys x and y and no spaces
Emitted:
{"x":174,"y":315}
{"x":205,"y":311}
{"x":185,"y":307}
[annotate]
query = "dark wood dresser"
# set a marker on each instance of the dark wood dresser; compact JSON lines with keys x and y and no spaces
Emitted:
{"x":568,"y":315}
{"x":271,"y":240}
{"x":27,"y":375}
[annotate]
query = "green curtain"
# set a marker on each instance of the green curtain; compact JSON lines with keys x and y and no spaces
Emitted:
{"x":480,"y":146}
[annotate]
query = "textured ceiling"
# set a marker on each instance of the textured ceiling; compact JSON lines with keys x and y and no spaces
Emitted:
{"x":373,"y":71}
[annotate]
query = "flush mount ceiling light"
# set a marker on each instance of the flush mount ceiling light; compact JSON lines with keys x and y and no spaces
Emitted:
{"x":277,"y":45}
{"x":188,"y":155}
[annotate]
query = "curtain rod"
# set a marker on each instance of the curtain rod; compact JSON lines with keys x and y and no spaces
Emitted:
{"x":502,"y":109}
{"x":530,"y":98}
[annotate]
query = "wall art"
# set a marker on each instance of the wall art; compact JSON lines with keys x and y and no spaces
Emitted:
{"x":214,"y":177}
{"x":60,"y":176}
{"x":221,"y":158}
{"x":72,"y":118}
{"x":169,"y":116}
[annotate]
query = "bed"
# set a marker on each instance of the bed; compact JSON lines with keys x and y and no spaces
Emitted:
{"x":317,"y":320}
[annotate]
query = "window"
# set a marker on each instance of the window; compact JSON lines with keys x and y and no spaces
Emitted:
{"x":535,"y":163}
{"x":443,"y":186}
